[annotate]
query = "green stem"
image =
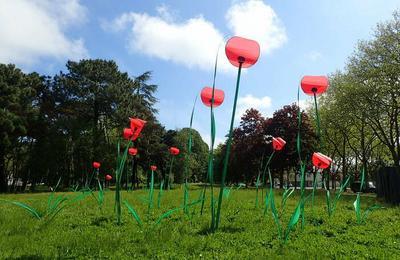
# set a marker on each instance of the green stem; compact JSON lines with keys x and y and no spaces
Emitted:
{"x":118,"y":174}
{"x":270,"y":181}
{"x":228,"y":149}
{"x":313,"y":190}
{"x":271,"y":191}
{"x":151,"y":191}
{"x":318,"y":122}
{"x":170,"y":172}
{"x":211,"y":165}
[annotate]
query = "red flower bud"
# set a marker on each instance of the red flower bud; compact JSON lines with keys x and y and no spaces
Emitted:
{"x":132,"y":151}
{"x":173,"y":150}
{"x":96,"y":165}
{"x":278,"y":143}
{"x":321,"y":161}
{"x":128,"y":133}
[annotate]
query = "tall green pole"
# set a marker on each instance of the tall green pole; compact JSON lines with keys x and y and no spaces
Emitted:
{"x":228,"y":149}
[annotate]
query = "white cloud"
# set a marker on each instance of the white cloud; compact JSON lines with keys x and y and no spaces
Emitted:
{"x":262,"y":104}
{"x":194,"y":42}
{"x":258,"y":21}
{"x":34,"y":29}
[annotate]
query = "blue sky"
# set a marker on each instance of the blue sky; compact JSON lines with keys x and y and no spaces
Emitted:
{"x":177,"y":40}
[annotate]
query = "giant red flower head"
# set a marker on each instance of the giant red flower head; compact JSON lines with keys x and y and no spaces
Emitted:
{"x":321,"y":161}
{"x":136,"y":127}
{"x":132,"y":151}
{"x":206,"y":96}
{"x":173,"y":150}
{"x":278,"y":143}
{"x":243,"y":51}
{"x":314,"y":84}
{"x":108,"y":177}
{"x":96,"y":165}
{"x":153,"y":168}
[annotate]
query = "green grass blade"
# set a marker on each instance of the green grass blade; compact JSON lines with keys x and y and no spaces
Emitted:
{"x":293,"y":220}
{"x":28,"y":208}
{"x":370,"y":210}
{"x":133,"y":212}
{"x":170,"y":212}
{"x":275,"y":214}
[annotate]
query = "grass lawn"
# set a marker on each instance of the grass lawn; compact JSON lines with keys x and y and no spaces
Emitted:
{"x":85,"y":231}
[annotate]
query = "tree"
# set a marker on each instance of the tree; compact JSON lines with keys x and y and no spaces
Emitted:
{"x":362,"y":109}
{"x":284,"y":123}
{"x":16,"y":95}
{"x":375,"y":71}
{"x":248,"y":147}
{"x":197,"y":161}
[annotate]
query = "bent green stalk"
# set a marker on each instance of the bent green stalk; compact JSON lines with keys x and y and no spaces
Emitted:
{"x":228,"y":149}
{"x":187,"y":158}
{"x":258,"y":181}
{"x":270,"y":182}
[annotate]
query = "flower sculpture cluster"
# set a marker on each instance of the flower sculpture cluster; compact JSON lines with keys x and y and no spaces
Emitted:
{"x":241,"y":53}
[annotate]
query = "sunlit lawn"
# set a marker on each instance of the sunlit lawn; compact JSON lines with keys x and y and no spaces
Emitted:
{"x":85,"y":231}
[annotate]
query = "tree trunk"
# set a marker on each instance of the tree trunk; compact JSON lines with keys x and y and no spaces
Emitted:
{"x":281,"y":179}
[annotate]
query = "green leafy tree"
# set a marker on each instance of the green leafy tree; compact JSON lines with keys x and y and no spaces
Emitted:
{"x":16,"y":94}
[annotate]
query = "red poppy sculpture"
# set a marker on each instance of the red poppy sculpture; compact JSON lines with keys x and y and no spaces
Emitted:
{"x":241,"y":53}
{"x":132,"y":151}
{"x":96,"y":165}
{"x":314,"y":85}
{"x":136,"y":126}
{"x":108,"y":177}
{"x":278,"y":143}
{"x":209,"y":98}
{"x":173,"y":150}
{"x":321,"y":161}
{"x":153,"y":168}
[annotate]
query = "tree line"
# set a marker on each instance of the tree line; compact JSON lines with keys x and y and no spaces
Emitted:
{"x":56,"y":126}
